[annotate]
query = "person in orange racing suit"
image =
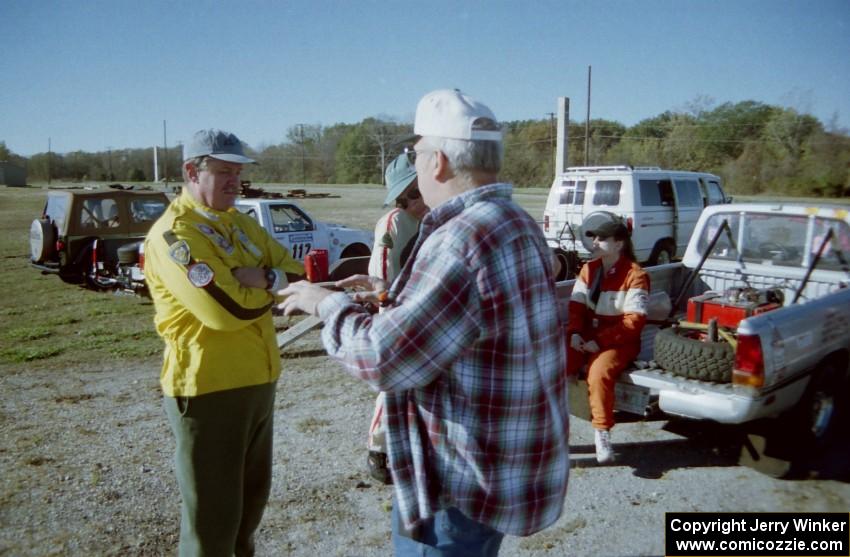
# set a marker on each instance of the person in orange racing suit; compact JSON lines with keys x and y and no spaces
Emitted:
{"x":607,"y":312}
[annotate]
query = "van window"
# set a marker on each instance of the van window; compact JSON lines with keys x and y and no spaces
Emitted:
{"x":656,"y":193}
{"x":607,"y":193}
{"x":688,"y":193}
{"x":715,"y":194}
{"x":572,"y":192}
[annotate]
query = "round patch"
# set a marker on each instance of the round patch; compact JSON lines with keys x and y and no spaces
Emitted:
{"x":200,"y":274}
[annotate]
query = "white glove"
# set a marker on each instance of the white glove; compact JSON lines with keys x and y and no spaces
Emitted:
{"x":576,"y":342}
{"x":591,"y":347}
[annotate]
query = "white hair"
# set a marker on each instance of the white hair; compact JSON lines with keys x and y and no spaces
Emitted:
{"x":466,"y":156}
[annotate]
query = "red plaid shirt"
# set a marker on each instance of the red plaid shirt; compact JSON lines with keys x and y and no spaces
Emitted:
{"x":472,"y":357}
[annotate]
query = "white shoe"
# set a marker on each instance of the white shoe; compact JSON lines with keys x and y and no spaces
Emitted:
{"x":604,"y":451}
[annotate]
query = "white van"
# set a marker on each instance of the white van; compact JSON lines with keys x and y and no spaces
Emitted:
{"x":660,"y":207}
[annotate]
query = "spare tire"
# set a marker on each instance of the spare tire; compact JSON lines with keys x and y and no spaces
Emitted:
{"x":42,"y":240}
{"x":680,"y":351}
{"x":128,"y":254}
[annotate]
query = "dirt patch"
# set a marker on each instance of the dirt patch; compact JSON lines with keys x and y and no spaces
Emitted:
{"x":86,"y":456}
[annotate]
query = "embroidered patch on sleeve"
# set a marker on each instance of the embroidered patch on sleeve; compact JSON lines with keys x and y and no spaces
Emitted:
{"x":200,"y":274}
{"x":206,"y":229}
{"x":387,"y":241}
{"x":179,"y":252}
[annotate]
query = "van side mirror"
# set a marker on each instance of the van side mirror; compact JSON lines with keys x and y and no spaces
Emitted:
{"x":730,"y":199}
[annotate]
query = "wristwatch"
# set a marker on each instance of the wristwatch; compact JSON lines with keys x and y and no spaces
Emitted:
{"x":271,"y":278}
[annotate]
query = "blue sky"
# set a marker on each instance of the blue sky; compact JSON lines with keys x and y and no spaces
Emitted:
{"x":91,"y":75}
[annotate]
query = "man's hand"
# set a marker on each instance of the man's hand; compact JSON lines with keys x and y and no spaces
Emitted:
{"x":301,"y":297}
{"x":250,"y":277}
{"x":367,"y":288}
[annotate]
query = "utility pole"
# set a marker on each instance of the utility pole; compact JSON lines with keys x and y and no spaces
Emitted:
{"x":301,"y":136}
{"x":563,"y":143}
{"x":587,"y":123}
{"x":109,"y":151}
{"x":552,"y":133}
{"x":49,"y":156}
{"x":155,"y":166}
{"x":164,"y":155}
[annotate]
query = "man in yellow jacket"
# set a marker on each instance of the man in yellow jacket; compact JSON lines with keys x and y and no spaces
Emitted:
{"x":211,"y":271}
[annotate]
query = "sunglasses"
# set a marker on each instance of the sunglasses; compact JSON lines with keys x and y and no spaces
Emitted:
{"x":414,"y":194}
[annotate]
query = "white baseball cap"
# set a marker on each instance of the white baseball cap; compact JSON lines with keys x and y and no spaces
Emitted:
{"x":451,"y":114}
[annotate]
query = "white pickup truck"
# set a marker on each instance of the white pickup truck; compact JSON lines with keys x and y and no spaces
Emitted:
{"x":299,"y":232}
{"x":759,"y":325}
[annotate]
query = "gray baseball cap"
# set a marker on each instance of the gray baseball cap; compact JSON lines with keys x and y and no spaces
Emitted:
{"x":217,"y":144}
{"x":608,"y":229}
{"x":400,"y":174}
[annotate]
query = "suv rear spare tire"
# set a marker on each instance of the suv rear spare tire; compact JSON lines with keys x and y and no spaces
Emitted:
{"x":680,"y":351}
{"x":42,"y":240}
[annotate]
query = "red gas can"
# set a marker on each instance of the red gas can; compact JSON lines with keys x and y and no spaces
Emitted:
{"x":729,"y":313}
{"x":316,"y":265}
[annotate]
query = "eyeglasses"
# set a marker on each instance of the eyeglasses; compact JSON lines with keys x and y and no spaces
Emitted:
{"x":412,"y":153}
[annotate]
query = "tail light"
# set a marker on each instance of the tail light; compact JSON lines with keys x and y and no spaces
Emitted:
{"x":749,"y":362}
{"x":60,"y":246}
{"x":142,"y":256}
{"x":94,"y":250}
{"x":630,"y":224}
{"x":545,"y":223}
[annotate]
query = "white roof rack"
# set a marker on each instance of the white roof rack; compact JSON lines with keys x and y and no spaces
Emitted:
{"x":597,"y":168}
{"x":616,"y":168}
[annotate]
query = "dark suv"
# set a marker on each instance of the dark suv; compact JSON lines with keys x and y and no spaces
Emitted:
{"x":93,"y":237}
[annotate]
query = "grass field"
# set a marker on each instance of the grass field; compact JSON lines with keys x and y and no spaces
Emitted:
{"x":46,"y":322}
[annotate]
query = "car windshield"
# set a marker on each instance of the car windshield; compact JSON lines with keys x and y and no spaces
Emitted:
{"x":777,"y":239}
{"x":287,"y":218}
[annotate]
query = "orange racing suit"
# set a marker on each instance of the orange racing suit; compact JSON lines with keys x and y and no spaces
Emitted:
{"x":609,"y":308}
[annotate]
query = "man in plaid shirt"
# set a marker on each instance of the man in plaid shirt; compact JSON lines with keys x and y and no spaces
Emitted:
{"x":470,"y":349}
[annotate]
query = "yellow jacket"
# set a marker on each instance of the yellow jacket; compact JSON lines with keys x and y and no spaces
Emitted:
{"x":218,"y":334}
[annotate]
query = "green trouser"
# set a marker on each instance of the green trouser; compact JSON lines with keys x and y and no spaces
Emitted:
{"x":223,"y":462}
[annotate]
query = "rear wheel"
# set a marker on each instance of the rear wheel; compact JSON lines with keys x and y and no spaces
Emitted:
{"x":355,"y":250}
{"x":824,"y":407}
{"x":813,"y":436}
{"x":568,"y":264}
{"x":662,"y":253}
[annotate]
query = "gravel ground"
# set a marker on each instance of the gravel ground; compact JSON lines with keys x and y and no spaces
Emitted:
{"x":86,"y":470}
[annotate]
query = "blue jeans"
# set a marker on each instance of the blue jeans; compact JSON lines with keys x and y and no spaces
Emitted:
{"x":449,"y":533}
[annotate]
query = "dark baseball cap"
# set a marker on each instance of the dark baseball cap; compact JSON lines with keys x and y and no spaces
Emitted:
{"x":608,"y":229}
{"x":217,"y":144}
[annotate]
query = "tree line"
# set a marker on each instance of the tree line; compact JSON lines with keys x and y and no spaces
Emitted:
{"x":755,"y":147}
